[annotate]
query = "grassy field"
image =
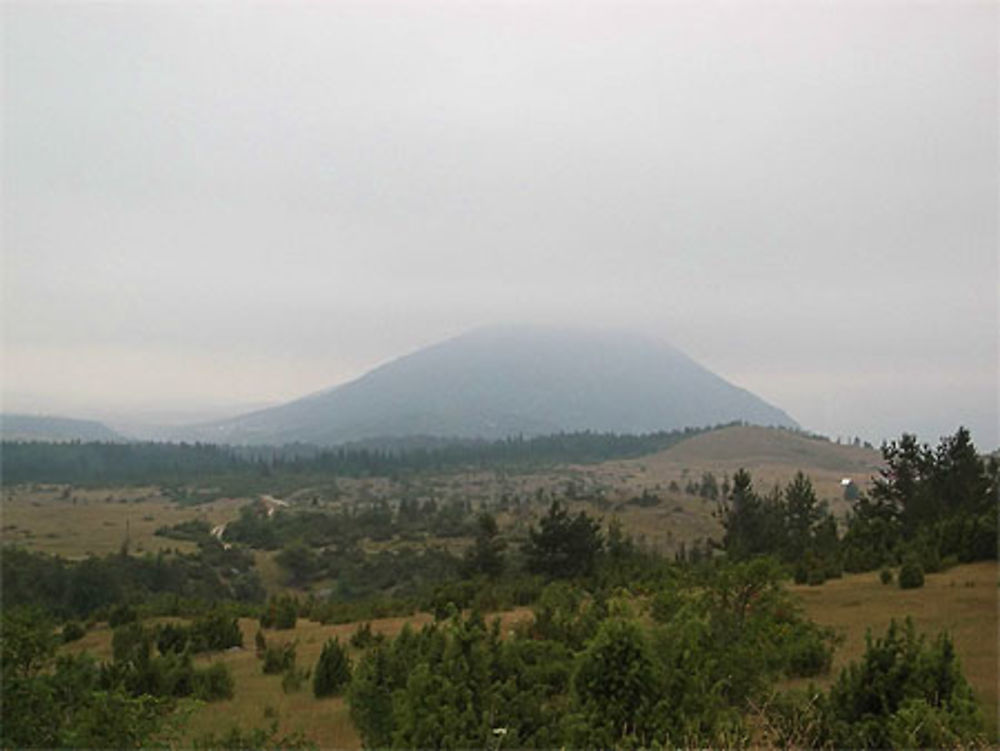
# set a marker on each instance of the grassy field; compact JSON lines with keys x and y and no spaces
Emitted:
{"x":962,"y":601}
{"x":259,"y":699}
{"x":74,"y":522}
{"x":771,"y":456}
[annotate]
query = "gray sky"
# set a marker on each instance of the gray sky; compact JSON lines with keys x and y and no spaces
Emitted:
{"x":219,"y":204}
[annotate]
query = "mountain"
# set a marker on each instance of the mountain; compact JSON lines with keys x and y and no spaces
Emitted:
{"x":501,"y":381}
{"x":15,"y":427}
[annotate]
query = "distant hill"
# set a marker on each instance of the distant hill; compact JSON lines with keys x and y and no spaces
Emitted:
{"x":749,"y":446}
{"x":772,"y":457}
{"x":502,"y":381}
{"x":15,"y":427}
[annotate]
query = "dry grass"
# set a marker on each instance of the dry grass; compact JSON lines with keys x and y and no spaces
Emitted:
{"x":259,"y":698}
{"x":962,"y":601}
{"x":98,"y":521}
{"x":771,"y":456}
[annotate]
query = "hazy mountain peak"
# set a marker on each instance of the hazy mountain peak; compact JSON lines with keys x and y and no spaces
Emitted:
{"x":512,"y":379}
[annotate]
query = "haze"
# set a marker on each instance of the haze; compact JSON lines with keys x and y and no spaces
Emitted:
{"x":208,"y":206}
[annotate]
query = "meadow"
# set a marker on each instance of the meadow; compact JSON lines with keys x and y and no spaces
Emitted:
{"x":962,"y":601}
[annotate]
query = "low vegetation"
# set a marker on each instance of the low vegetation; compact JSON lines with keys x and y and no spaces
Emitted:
{"x":623,"y":646}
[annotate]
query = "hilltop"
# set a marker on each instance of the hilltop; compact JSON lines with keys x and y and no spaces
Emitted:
{"x":15,"y":427}
{"x":506,"y":381}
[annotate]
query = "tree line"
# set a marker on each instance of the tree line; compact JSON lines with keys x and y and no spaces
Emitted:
{"x":179,"y":464}
{"x":928,"y":508}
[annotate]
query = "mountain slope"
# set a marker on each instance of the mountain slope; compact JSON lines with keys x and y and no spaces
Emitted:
{"x":501,"y":381}
{"x":38,"y":428}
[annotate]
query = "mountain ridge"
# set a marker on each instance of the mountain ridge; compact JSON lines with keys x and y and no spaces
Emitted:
{"x":500,"y":381}
{"x":21,"y":427}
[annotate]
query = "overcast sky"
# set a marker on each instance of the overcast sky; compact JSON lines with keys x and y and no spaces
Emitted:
{"x":229,"y":204}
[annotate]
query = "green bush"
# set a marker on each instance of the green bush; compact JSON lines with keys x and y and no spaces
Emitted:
{"x":119,"y":615}
{"x":363,"y":637}
{"x":171,"y":637}
{"x":280,"y":658}
{"x":333,"y":670}
{"x":885,"y":575}
{"x":904,"y":694}
{"x":260,"y":738}
{"x":280,"y":613}
{"x":801,"y":574}
{"x":131,"y":642}
{"x":911,"y":575}
{"x":808,"y":652}
{"x":615,"y":687}
{"x":216,"y":631}
{"x":816,"y":577}
{"x":213,"y":683}
{"x":72,"y":631}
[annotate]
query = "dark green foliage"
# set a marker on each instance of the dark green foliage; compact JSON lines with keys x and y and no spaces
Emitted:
{"x":136,"y":670}
{"x":445,"y":701}
{"x":708,"y":487}
{"x":911,"y":575}
{"x":261,"y":739}
{"x":279,"y":658}
{"x":807,"y":650}
{"x":88,"y":587}
{"x":281,"y":613}
{"x":885,"y":576}
{"x":616,"y":687}
{"x":567,"y":615}
{"x":333,"y":670}
{"x":744,"y":519}
{"x":486,"y":556}
{"x":240,"y":471}
{"x":363,"y":637}
{"x":212,"y":632}
{"x":790,"y":524}
{"x":720,"y":644}
{"x":216,"y":631}
{"x":645,"y":500}
{"x":121,"y":614}
{"x":563,"y":546}
{"x":59,"y":704}
{"x":370,"y":697}
{"x":192,"y":530}
{"x":72,"y":631}
{"x":873,"y":533}
{"x":927,"y":503}
{"x":213,"y":683}
{"x":300,"y":562}
{"x":172,"y":637}
{"x":903,"y":694}
{"x":260,"y":644}
{"x":611,"y":682}
{"x":131,"y":643}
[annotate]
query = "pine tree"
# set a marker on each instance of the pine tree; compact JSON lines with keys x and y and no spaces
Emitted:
{"x":333,"y":670}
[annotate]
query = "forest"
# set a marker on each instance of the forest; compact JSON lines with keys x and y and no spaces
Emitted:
{"x":246,"y":468}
